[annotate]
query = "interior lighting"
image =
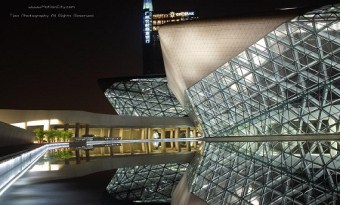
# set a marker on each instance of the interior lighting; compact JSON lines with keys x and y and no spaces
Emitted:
{"x":21,"y":125}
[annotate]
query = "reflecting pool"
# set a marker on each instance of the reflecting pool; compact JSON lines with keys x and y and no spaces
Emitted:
{"x":87,"y":175}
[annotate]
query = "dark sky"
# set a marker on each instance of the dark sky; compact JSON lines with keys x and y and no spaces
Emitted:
{"x":55,"y":63}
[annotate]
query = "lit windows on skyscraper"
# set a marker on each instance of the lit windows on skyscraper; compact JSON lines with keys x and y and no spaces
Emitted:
{"x":147,"y":20}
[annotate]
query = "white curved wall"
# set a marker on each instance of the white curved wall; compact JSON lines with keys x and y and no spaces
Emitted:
{"x":192,"y":50}
{"x":11,"y":136}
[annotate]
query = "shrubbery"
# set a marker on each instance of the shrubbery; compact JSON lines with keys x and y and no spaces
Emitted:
{"x":52,"y":135}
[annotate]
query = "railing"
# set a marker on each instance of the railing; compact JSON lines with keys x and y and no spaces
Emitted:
{"x":16,"y":165}
{"x":13,"y":166}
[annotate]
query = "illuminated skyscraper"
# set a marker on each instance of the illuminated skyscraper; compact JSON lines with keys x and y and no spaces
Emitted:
{"x":152,"y":54}
{"x":147,"y":20}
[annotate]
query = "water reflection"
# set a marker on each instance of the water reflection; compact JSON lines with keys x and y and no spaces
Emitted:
{"x":148,"y":183}
{"x":55,"y":159}
{"x":94,"y":149}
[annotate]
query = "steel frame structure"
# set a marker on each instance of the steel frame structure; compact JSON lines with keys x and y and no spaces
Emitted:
{"x":144,"y":97}
{"x":288,"y":83}
{"x":149,"y":183}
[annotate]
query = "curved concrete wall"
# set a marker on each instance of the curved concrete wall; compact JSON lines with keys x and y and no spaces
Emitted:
{"x":11,"y":136}
{"x":192,"y":50}
{"x":93,"y":119}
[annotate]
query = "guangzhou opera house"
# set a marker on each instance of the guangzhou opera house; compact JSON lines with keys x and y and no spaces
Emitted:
{"x":264,"y":95}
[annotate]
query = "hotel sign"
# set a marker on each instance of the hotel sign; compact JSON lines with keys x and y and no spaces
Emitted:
{"x":184,"y":13}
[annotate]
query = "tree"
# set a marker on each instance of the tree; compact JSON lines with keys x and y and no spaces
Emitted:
{"x":58,"y":135}
{"x":39,"y":134}
{"x":66,"y":135}
{"x":51,"y":135}
{"x":65,"y":155}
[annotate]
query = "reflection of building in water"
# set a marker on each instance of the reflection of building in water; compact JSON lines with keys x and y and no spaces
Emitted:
{"x":285,"y":81}
{"x":152,"y":54}
{"x":148,"y":183}
{"x":265,"y":92}
{"x":148,"y":98}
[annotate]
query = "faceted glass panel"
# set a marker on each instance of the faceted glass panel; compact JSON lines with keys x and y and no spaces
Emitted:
{"x":149,"y":183}
{"x":294,"y":172}
{"x":144,"y":97}
{"x":286,"y":83}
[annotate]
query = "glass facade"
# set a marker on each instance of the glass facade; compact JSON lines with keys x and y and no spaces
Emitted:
{"x":149,"y":183}
{"x":294,"y":172}
{"x":286,"y":83}
{"x":144,"y":97}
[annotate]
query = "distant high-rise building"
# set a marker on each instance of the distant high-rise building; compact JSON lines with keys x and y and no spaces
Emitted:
{"x":152,"y":54}
{"x":147,"y":21}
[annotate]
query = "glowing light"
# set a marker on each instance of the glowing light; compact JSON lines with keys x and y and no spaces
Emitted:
{"x":335,"y":26}
{"x":13,"y":168}
{"x":147,"y":26}
{"x":147,"y":4}
{"x":155,"y":136}
{"x":45,"y":123}
{"x":55,"y":122}
{"x":46,"y":166}
{"x":20,"y":124}
{"x":205,"y":186}
{"x":288,"y":8}
{"x":254,"y":201}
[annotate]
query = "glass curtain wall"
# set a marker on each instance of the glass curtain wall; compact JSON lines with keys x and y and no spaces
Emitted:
{"x":144,"y":97}
{"x":294,"y":172}
{"x":150,"y":183}
{"x":288,"y":83}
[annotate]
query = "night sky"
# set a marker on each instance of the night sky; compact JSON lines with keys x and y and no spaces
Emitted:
{"x":55,"y":62}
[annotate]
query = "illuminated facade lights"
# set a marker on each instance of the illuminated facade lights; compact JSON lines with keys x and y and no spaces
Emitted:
{"x":159,"y":19}
{"x":147,"y":20}
{"x":152,"y":20}
{"x":149,"y":183}
{"x":287,"y":83}
{"x":144,"y":97}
